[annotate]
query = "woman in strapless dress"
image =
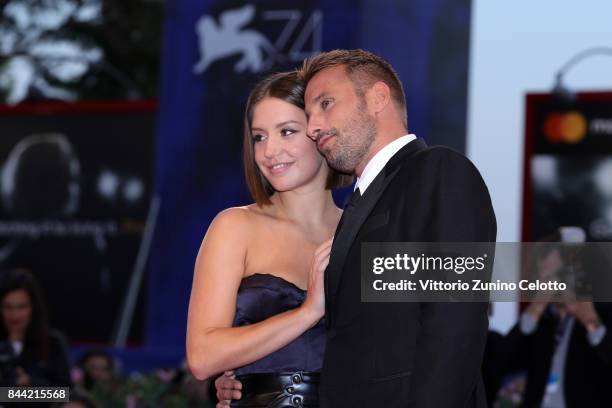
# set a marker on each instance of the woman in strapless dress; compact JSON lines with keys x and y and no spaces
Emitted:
{"x":257,"y":299}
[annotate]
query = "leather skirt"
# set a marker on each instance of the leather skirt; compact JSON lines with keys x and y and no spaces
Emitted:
{"x":282,"y":390}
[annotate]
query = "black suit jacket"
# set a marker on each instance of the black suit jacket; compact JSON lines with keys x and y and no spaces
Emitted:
{"x":407,"y":354}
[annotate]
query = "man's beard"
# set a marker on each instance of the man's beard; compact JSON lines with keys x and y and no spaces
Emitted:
{"x":352,"y":143}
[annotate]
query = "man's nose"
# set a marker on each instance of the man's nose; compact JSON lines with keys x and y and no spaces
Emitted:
{"x":315,"y":126}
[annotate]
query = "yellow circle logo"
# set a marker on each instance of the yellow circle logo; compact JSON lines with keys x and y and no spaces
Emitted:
{"x":570,"y":127}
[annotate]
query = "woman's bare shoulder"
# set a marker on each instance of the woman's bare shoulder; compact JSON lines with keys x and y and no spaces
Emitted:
{"x":238,"y":216}
{"x":238,"y":220}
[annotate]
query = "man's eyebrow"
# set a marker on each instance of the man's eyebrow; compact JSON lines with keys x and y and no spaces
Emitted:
{"x":321,"y":95}
{"x":315,"y":100}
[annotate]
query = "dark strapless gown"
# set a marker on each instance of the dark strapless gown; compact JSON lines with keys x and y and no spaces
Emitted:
{"x":289,"y":376}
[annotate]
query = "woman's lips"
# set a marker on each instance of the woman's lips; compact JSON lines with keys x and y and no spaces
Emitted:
{"x":279,"y":168}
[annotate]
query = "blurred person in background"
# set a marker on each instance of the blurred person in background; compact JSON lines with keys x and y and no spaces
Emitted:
{"x":565,"y":347}
{"x":99,"y":370}
{"x":98,"y":373}
{"x":30,"y":353}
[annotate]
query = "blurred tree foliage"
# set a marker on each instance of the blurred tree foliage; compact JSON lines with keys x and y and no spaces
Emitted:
{"x":79,"y":49}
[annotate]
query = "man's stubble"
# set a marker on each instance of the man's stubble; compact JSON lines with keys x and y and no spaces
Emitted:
{"x":352,"y":143}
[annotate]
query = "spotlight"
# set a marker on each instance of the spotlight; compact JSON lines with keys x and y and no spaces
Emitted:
{"x":108,"y":183}
{"x":133,"y":190}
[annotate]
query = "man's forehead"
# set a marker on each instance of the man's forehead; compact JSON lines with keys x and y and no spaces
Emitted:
{"x":323,"y":82}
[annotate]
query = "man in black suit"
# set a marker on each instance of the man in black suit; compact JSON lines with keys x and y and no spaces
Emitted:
{"x":393,"y":354}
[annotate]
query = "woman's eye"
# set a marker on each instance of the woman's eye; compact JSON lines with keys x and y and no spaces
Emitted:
{"x":258,"y":137}
{"x":287,"y":131}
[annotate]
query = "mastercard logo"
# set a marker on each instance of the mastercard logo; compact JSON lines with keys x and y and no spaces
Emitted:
{"x":569,"y":127}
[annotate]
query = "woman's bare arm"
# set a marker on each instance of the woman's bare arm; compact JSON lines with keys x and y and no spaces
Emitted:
{"x":213,"y":346}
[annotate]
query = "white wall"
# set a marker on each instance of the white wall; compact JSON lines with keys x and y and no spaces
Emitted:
{"x":516,"y":47}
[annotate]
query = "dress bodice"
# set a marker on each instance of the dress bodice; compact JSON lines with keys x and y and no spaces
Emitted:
{"x":261,"y":296}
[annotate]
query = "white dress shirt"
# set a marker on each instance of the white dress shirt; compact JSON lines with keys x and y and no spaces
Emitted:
{"x":380,"y":160}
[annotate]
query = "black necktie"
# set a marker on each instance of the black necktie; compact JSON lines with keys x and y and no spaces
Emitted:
{"x":350,"y":204}
{"x":355,"y":197}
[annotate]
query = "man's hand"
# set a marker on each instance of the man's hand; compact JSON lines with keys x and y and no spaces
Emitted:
{"x":228,"y":388}
{"x":585,"y":313}
{"x":549,"y":265}
{"x":547,"y":268}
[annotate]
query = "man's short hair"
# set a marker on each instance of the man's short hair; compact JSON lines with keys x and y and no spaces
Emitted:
{"x":363,"y":68}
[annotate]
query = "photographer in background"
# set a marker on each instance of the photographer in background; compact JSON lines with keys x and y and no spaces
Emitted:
{"x":565,"y":347}
{"x":30,"y":353}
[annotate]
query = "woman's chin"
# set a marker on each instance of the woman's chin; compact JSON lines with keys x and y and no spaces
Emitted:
{"x":283,"y":188}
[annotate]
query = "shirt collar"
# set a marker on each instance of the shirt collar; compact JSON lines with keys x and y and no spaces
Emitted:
{"x":380,"y":160}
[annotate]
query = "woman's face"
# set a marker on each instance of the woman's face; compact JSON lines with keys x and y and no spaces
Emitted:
{"x":16,"y":310}
{"x":286,"y":157}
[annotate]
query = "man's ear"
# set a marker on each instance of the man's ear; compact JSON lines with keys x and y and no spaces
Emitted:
{"x":379,"y":96}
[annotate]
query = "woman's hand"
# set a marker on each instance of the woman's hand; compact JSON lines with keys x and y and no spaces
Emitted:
{"x":315,"y":299}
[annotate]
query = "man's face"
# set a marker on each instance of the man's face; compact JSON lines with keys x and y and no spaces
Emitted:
{"x":338,"y":120}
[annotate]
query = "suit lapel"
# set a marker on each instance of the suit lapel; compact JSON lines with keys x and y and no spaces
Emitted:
{"x":354,"y":217}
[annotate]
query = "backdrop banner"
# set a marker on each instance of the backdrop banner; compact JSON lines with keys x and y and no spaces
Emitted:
{"x":213,"y":54}
{"x":75,"y":187}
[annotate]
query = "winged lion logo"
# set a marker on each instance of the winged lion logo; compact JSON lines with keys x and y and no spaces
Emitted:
{"x":228,"y":38}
